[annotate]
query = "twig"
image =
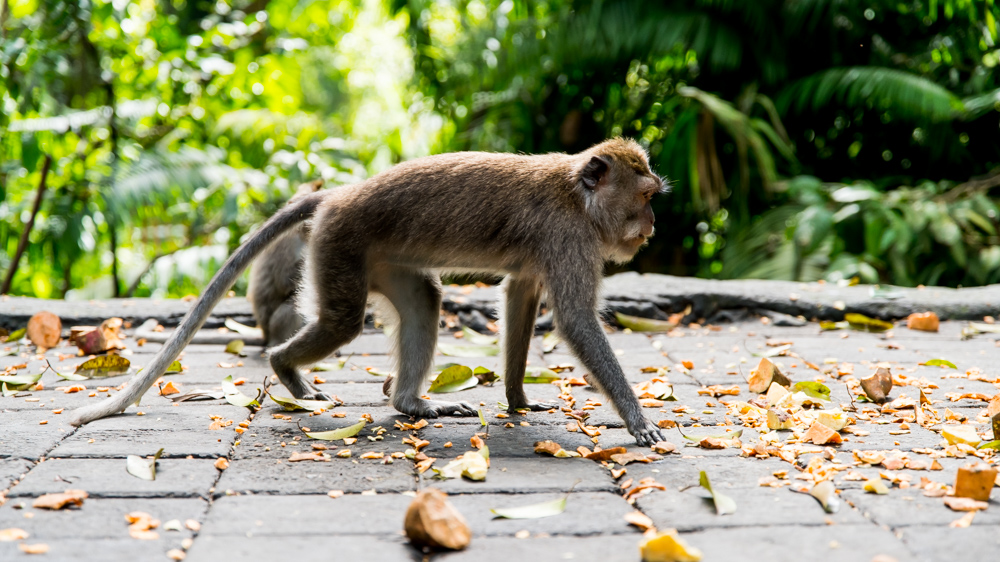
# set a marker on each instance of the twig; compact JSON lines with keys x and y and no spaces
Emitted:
{"x":22,"y":244}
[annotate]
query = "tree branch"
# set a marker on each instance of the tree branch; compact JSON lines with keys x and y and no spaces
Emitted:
{"x":22,"y":244}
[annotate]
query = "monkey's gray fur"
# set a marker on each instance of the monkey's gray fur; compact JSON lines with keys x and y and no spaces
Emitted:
{"x":275,"y":277}
{"x":549,"y":220}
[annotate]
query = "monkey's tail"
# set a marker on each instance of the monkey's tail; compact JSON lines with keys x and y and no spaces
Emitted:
{"x":291,"y":215}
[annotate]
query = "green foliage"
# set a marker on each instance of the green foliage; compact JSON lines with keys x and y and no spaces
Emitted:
{"x":175,"y":128}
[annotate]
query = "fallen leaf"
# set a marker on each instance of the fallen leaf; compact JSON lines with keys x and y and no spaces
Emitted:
{"x":61,"y":500}
{"x":39,"y":548}
{"x":965,"y":504}
{"x":554,"y":449}
{"x":453,"y":379}
{"x":243,"y":329}
{"x":13,"y":534}
{"x":812,"y":389}
{"x":826,"y":494}
{"x":549,"y":342}
{"x":664,"y":447}
{"x":141,"y":467}
{"x":237,"y":398}
{"x":198,"y":395}
{"x":475,"y":337}
{"x":540,"y":375}
{"x":468,"y":350}
{"x":632,"y":456}
{"x":865,"y":324}
{"x":640,"y":520}
{"x":104,"y":366}
{"x":44,"y":330}
{"x":20,"y":382}
{"x":605,"y":454}
{"x":923,"y":321}
{"x":485,"y":376}
{"x":236,"y":347}
{"x":637,"y":324}
{"x":311,"y":456}
{"x":724,"y":505}
{"x":820,"y":434}
{"x":964,"y":434}
{"x":878,"y":386}
{"x":533,"y":511}
{"x":975,"y":481}
{"x":963,"y":521}
{"x":337,"y":434}
{"x":472,"y":465}
{"x":766,"y":373}
{"x":431,"y":521}
{"x":667,"y":546}
{"x":944,"y":363}
{"x":169,"y":388}
{"x":876,"y":486}
{"x":221,"y":463}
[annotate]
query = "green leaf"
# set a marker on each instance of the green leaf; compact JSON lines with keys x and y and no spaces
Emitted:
{"x":20,"y":382}
{"x":5,"y":391}
{"x":104,"y":366}
{"x":236,"y":347}
{"x":174,"y":367}
{"x":533,"y":511}
{"x":337,"y":434}
{"x":995,"y":445}
{"x":939,"y":363}
{"x":70,"y":376}
{"x":812,"y":389}
{"x":482,"y":418}
{"x":865,"y":324}
{"x":243,"y":329}
{"x":321,"y":367}
{"x":637,"y":324}
{"x":476,"y":338}
{"x":141,"y":467}
{"x":237,"y":398}
{"x":452,"y":350}
{"x":540,"y":375}
{"x":17,"y":335}
{"x":827,"y":325}
{"x":485,"y":376}
{"x":549,"y":342}
{"x":724,"y":505}
{"x":292,"y":404}
{"x":453,"y":379}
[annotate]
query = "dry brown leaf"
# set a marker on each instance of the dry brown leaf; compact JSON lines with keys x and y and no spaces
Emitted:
{"x":605,"y":454}
{"x":13,"y":534}
{"x":221,"y":463}
{"x":664,"y":447}
{"x":640,"y":520}
{"x":878,"y":386}
{"x":617,"y":473}
{"x":820,"y":434}
{"x":39,"y":548}
{"x":965,"y":504}
{"x":313,"y":456}
{"x":923,"y":321}
{"x":963,"y":521}
{"x":431,"y":521}
{"x":717,"y":390}
{"x":169,"y":388}
{"x":666,"y":424}
{"x":44,"y":330}
{"x":975,"y":481}
{"x":176,"y":554}
{"x":59,"y":501}
{"x":625,"y":458}
{"x":765,"y":373}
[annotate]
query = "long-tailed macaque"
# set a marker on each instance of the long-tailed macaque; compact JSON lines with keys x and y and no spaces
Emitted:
{"x":549,"y":222}
{"x":275,"y":277}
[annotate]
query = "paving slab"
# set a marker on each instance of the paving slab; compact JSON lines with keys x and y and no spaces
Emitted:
{"x":303,"y":548}
{"x":175,"y":478}
{"x":278,"y":476}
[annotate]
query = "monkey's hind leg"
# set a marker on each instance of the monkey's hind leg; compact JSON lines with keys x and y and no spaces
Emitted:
{"x":416,"y":296}
{"x":284,"y":323}
{"x":520,"y":310}
{"x":341,"y":318}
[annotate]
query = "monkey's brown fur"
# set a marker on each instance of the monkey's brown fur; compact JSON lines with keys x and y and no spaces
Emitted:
{"x":547,"y":221}
{"x":275,"y":277}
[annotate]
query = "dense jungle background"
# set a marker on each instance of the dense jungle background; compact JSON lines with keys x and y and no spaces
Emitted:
{"x":805,"y":139}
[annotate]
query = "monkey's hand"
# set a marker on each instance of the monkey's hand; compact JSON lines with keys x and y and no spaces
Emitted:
{"x":646,"y":433}
{"x":531,"y":405}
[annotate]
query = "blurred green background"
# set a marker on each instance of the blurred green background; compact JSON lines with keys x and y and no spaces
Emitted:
{"x":805,"y":139}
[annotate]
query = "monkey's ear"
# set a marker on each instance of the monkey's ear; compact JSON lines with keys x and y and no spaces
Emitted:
{"x":594,"y":171}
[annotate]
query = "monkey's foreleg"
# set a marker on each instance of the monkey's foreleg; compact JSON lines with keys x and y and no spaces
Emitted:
{"x":312,"y":344}
{"x":416,"y":296}
{"x":520,"y":310}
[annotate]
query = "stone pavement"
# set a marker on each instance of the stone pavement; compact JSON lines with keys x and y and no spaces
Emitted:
{"x":263,"y":507}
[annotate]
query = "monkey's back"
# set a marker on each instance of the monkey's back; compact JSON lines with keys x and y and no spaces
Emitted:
{"x":482,"y":207}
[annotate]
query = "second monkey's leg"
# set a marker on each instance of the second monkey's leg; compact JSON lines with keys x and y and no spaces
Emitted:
{"x":416,"y":296}
{"x":520,"y":310}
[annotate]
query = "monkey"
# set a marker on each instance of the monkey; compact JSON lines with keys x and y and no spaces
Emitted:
{"x":549,"y":221}
{"x":274,"y":279}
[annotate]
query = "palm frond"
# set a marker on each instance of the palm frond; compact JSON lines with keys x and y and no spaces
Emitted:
{"x":905,"y":95}
{"x":164,"y":176}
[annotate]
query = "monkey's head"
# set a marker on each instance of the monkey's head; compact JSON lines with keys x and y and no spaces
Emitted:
{"x":617,"y":185}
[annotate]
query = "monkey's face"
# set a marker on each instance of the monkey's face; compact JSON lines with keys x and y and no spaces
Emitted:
{"x":619,"y":187}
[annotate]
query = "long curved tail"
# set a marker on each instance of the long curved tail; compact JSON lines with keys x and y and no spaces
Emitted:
{"x":291,"y":215}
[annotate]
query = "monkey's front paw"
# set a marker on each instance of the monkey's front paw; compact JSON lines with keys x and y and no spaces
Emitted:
{"x":532,"y":405}
{"x":646,"y":434}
